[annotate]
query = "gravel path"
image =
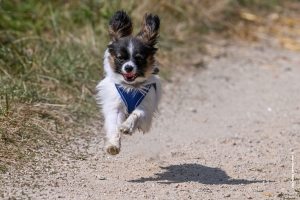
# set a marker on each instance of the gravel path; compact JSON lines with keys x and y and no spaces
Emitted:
{"x":226,"y":131}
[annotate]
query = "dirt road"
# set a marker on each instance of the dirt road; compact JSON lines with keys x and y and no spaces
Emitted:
{"x":228,"y":131}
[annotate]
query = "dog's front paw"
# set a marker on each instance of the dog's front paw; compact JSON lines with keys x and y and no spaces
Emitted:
{"x":113,"y":147}
{"x":126,"y":129}
{"x":112,"y":150}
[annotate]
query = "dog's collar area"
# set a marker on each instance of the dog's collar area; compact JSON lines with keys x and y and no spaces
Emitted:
{"x":133,"y":85}
{"x":133,"y":97}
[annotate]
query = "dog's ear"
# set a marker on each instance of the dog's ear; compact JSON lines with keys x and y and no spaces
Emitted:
{"x":149,"y":29}
{"x":120,"y":25}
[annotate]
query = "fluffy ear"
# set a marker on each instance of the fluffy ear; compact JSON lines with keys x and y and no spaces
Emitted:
{"x":120,"y":25}
{"x":149,"y":29}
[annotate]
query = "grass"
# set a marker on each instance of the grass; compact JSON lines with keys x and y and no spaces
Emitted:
{"x":51,"y":60}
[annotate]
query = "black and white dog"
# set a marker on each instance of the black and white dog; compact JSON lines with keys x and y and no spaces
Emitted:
{"x":130,"y":93}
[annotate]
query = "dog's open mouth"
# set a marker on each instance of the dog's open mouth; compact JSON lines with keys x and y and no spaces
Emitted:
{"x":129,"y":77}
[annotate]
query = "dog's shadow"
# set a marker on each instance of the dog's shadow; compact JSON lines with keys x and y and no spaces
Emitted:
{"x":194,"y":173}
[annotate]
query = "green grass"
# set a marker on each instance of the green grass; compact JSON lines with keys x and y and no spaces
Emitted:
{"x":51,"y":60}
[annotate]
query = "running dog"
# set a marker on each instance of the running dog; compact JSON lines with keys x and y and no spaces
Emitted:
{"x":131,"y":91}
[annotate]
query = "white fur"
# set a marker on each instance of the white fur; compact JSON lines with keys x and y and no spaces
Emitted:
{"x":115,"y":111}
{"x":130,"y":49}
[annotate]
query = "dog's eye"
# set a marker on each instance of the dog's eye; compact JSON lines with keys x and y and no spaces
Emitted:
{"x":138,"y":59}
{"x":120,"y":58}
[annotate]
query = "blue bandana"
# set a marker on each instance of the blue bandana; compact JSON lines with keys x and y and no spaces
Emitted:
{"x":132,"y":98}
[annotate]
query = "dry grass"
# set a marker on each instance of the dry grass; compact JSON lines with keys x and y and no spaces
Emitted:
{"x":51,"y":54}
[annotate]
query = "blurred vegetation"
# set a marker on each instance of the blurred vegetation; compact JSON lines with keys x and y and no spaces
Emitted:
{"x":51,"y":58}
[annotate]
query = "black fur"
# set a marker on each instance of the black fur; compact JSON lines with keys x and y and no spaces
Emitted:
{"x":150,"y":29}
{"x":140,"y":56}
{"x":120,"y":29}
{"x":120,"y":26}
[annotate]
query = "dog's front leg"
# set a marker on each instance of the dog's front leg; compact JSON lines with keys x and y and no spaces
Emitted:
{"x":129,"y":125}
{"x":112,"y":122}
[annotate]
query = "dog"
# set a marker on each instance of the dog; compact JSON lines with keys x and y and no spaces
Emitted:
{"x":130,"y":93}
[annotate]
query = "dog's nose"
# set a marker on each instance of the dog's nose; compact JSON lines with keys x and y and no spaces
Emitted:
{"x":128,"y":68}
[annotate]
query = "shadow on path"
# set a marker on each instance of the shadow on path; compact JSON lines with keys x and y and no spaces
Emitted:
{"x":195,"y":173}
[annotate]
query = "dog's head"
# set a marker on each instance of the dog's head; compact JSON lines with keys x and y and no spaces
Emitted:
{"x":132,"y":58}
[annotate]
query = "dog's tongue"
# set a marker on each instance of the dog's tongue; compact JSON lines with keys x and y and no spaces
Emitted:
{"x":129,"y":75}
